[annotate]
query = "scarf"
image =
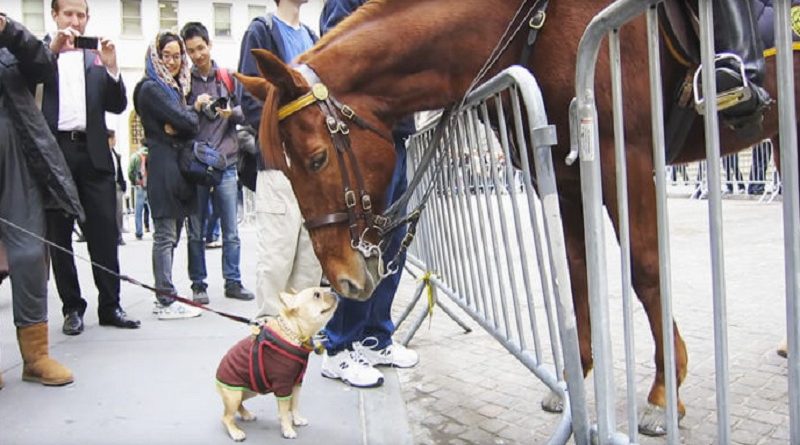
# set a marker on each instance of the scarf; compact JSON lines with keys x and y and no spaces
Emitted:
{"x":156,"y":69}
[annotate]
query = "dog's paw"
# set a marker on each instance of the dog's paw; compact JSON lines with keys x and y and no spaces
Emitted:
{"x":289,"y":433}
{"x":237,"y":435}
{"x":299,"y":420}
{"x":247,"y":416}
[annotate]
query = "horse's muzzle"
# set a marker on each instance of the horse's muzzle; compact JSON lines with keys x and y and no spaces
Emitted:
{"x":361,"y":285}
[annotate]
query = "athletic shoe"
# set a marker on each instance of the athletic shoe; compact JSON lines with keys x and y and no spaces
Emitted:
{"x":395,"y":354}
{"x":177,"y":311}
{"x":352,"y":368}
{"x":199,"y":294}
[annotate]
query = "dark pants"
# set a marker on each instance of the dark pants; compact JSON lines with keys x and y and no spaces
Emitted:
{"x":97,"y":192}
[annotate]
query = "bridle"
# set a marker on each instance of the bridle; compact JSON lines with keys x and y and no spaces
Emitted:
{"x":357,"y":201}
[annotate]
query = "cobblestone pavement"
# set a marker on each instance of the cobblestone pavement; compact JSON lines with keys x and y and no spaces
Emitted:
{"x":469,"y":390}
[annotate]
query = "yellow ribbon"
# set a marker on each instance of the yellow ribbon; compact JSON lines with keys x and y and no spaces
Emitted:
{"x":431,"y":294}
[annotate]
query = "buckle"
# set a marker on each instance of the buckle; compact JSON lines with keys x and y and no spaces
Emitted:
{"x":347,"y":112}
{"x":366,"y":203}
{"x":538,"y":19}
{"x":350,"y":199}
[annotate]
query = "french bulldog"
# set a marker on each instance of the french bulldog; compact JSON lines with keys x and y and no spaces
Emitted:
{"x":273,"y":359}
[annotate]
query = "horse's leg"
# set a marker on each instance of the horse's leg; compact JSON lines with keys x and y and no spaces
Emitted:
{"x":645,"y":276}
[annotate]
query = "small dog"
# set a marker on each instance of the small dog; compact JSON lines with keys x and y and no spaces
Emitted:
{"x":274,"y":360}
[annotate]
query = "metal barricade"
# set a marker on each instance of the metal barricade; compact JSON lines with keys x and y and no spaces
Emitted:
{"x":585,"y":119}
{"x":486,"y":235}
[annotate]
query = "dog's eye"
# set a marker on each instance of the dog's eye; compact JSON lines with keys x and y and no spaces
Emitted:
{"x":317,"y":295}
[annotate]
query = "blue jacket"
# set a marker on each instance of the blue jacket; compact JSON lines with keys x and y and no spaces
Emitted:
{"x":335,"y":11}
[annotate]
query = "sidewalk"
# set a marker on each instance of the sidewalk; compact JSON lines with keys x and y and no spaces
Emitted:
{"x":156,"y":384}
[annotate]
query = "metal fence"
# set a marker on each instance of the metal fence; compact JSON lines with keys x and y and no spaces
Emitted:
{"x":607,"y":25}
{"x":487,"y":241}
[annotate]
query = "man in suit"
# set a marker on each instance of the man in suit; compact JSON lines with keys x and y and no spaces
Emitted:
{"x":86,"y":85}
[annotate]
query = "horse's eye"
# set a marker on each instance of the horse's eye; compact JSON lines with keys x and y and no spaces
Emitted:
{"x":318,"y":161}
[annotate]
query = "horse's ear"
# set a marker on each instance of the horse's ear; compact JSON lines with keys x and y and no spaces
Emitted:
{"x":269,"y":136}
{"x":290,"y":83}
{"x":257,"y":86}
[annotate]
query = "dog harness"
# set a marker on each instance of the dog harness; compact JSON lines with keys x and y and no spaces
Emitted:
{"x":263,"y":364}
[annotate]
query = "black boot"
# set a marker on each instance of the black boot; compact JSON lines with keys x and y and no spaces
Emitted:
{"x":741,"y":101}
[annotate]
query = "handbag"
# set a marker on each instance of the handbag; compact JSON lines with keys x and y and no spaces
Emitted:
{"x":201,"y":164}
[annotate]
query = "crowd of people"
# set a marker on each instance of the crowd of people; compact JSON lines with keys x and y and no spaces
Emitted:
{"x":184,"y":98}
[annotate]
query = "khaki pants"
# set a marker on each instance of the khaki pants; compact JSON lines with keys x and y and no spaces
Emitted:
{"x":286,"y":259}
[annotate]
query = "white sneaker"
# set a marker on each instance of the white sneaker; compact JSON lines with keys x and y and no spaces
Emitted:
{"x":352,"y":368}
{"x":395,"y":354}
{"x":178,"y":310}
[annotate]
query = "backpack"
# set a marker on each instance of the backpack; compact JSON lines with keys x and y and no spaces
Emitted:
{"x":225,"y":77}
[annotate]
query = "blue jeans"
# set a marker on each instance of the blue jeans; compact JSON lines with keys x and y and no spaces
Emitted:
{"x":212,"y":222}
{"x":356,"y":320}
{"x":166,"y":232}
{"x":139,"y":215}
{"x":224,"y":197}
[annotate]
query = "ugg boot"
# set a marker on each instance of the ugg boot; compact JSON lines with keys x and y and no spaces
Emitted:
{"x":39,"y":367}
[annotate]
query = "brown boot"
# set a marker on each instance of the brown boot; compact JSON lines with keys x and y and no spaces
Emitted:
{"x":39,"y":367}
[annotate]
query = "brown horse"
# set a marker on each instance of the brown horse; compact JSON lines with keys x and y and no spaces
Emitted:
{"x":392,"y":58}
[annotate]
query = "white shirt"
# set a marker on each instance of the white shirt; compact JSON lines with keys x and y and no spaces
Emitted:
{"x":71,"y":91}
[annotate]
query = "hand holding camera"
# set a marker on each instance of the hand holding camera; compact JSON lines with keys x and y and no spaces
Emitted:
{"x":213,"y":108}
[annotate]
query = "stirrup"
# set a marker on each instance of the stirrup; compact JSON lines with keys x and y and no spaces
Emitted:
{"x":728,"y":98}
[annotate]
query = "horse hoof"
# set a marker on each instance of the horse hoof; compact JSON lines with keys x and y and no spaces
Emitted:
{"x":653,"y":420}
{"x":552,"y":403}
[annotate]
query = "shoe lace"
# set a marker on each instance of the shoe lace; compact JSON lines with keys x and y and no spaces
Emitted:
{"x":357,"y":356}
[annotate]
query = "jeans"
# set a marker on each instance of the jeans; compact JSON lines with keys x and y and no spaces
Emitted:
{"x":139,"y":215}
{"x":165,"y":238}
{"x":357,"y":320}
{"x":224,"y":197}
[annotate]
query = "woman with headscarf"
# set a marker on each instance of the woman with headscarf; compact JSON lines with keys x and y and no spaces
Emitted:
{"x":169,"y":125}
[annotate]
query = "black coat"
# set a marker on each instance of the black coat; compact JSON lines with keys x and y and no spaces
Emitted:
{"x":103,"y":95}
{"x":169,"y":194}
{"x":25,"y":61}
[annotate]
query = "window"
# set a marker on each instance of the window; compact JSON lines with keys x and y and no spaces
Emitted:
{"x":132,"y":17}
{"x":222,"y":19}
{"x":33,"y":15}
{"x":168,"y":14}
{"x":254,"y":11}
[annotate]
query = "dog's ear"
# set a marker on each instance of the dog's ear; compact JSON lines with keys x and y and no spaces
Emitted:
{"x":288,"y":300}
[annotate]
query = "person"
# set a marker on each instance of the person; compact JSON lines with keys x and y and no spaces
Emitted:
{"x":736,"y":33}
{"x":119,"y":178}
{"x":209,"y":84}
{"x":137,"y":174}
{"x":169,"y":125}
{"x":86,"y":85}
{"x":359,"y":336}
{"x":25,"y":61}
{"x":286,"y":258}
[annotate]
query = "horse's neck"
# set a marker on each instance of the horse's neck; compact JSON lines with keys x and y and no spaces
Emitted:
{"x":407,"y":56}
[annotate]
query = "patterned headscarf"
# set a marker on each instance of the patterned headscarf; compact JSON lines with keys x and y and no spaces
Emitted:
{"x":158,"y":71}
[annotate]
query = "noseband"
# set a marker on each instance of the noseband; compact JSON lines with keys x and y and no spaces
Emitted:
{"x":335,"y":115}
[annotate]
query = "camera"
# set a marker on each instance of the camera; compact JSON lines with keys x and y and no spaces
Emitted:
{"x":211,"y":109}
{"x":85,"y":42}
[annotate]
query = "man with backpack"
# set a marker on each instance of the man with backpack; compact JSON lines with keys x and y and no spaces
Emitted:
{"x":214,"y":100}
{"x":137,"y":175}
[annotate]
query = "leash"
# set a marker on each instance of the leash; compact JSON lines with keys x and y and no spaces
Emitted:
{"x":128,"y":279}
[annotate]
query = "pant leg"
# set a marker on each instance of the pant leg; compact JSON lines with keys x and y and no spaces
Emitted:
{"x":196,"y":245}
{"x":59,"y":231}
{"x":26,"y":255}
{"x":120,"y":196}
{"x":98,"y":196}
{"x":277,"y":240}
{"x":138,"y":212}
{"x":225,"y":201}
{"x":165,"y":236}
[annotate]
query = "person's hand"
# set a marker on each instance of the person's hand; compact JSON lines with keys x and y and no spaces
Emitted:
{"x":169,"y":129}
{"x":108,"y":55}
{"x":2,"y":22}
{"x":225,"y":112}
{"x":201,"y":101}
{"x":63,"y":40}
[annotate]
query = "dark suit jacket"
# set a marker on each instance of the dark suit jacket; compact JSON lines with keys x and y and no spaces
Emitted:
{"x":102,"y":94}
{"x":119,"y":177}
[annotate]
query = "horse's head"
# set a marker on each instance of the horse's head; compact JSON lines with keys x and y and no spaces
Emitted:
{"x":339,"y":160}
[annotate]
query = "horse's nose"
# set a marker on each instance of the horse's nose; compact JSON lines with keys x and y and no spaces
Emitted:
{"x":349,"y":288}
